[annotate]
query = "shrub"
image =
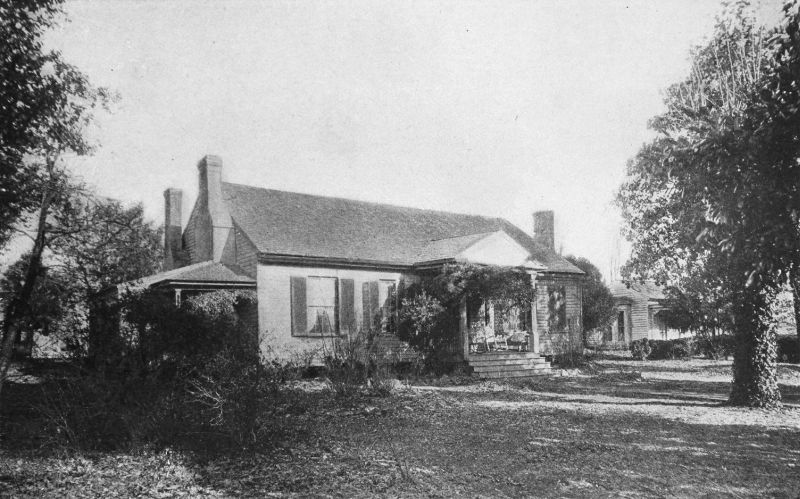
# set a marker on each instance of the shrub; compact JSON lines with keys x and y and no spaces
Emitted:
{"x":715,"y":347}
{"x":640,"y":349}
{"x":788,"y":349}
{"x":354,"y":364}
{"x":681,"y":348}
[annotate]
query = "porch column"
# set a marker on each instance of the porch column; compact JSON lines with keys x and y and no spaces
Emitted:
{"x":533,"y":340}
{"x":177,"y":297}
{"x":463,"y":328}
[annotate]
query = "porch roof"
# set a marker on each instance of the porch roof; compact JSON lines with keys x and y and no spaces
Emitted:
{"x":203,"y":274}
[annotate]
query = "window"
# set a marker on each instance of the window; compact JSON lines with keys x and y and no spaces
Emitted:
{"x":321,"y":305}
{"x":621,"y":325}
{"x":557,"y":308}
{"x":313,"y":301}
{"x":387,"y":297}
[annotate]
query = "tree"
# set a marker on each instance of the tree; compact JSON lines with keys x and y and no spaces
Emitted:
{"x":46,"y":306}
{"x":55,"y":103}
{"x":598,"y":303}
{"x":93,"y":243}
{"x":25,"y":101}
{"x":715,"y":193}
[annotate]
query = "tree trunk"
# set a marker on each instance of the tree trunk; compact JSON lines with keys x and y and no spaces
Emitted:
{"x":755,"y":382}
{"x":794,"y":281}
{"x":18,"y":305}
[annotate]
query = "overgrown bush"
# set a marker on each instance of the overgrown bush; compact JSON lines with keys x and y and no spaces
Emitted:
{"x":788,"y":349}
{"x":644,"y":349}
{"x":354,"y":366}
{"x":147,"y":332}
{"x":226,"y":401}
{"x":715,"y":347}
{"x":640,"y":349}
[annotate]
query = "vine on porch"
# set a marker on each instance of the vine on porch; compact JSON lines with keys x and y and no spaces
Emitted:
{"x":430,"y":313}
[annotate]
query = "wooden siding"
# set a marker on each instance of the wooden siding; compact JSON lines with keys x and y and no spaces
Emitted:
{"x":240,"y":251}
{"x":274,"y":307}
{"x":190,"y":237}
{"x":552,"y":341}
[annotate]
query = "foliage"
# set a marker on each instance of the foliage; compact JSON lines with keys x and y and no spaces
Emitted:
{"x":788,"y":349}
{"x":47,"y":107}
{"x":640,"y":349}
{"x":48,"y":303}
{"x":711,"y":203}
{"x":156,"y":334}
{"x":25,"y":101}
{"x":420,"y":315}
{"x":645,"y":349}
{"x":354,"y":365}
{"x":715,"y":347}
{"x":598,"y":303}
{"x":431,"y":309}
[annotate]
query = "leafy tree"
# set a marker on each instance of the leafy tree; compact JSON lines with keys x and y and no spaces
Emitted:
{"x":54,"y":105}
{"x":25,"y":101}
{"x":715,"y":193}
{"x":598,"y":303}
{"x":47,"y":304}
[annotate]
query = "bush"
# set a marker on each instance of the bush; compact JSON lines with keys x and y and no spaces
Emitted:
{"x":788,"y":349}
{"x":226,"y":402}
{"x":644,"y":349}
{"x":716,"y":347}
{"x":354,"y":366}
{"x":640,"y":349}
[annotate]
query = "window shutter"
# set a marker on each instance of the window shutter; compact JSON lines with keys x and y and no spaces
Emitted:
{"x":347,"y":312}
{"x":366,"y":319}
{"x":298,"y":292}
{"x":374,"y":305}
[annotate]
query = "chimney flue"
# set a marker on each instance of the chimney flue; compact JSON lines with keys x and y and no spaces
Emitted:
{"x":173,"y":198}
{"x":217,"y":223}
{"x":544,"y":229}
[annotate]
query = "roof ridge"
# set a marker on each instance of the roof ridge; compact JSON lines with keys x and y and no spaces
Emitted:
{"x":371,"y":203}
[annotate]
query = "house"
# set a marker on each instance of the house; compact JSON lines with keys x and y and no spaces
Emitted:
{"x":327,"y":267}
{"x":640,"y":313}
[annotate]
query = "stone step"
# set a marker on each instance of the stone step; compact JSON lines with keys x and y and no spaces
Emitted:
{"x":506,"y":362}
{"x":508,"y":368}
{"x":525,"y":373}
{"x":504,"y":355}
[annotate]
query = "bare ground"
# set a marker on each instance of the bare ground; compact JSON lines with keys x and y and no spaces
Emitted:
{"x":612,"y":433}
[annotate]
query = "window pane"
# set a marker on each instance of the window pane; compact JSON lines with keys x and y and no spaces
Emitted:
{"x":386,"y":298}
{"x":320,"y":320}
{"x":321,"y":292}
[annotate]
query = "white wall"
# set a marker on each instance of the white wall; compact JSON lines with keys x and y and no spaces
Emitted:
{"x":274,"y":306}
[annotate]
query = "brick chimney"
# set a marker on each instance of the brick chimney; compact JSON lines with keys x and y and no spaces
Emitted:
{"x":544,"y":229}
{"x":215,"y":222}
{"x":173,"y":199}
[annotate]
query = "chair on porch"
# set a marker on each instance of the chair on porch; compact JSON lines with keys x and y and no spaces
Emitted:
{"x":519,"y":341}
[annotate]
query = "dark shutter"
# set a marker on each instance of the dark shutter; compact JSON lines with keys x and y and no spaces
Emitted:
{"x":336,"y":300}
{"x":374,"y":305}
{"x":392,"y":318}
{"x":299,"y":312}
{"x":365,"y":317}
{"x":347,"y":312}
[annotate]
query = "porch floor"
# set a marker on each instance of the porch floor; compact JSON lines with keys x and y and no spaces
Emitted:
{"x":507,"y":364}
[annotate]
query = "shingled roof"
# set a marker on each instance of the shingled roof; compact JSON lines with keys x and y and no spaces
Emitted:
{"x":289,"y":223}
{"x":203,"y":273}
{"x":631,"y":290}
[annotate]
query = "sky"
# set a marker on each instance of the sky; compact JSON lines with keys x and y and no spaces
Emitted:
{"x":492,"y":108}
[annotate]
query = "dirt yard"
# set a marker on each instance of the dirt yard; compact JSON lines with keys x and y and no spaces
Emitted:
{"x":628,"y":429}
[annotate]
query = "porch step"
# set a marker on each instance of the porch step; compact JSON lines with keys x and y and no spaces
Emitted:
{"x":506,"y":362}
{"x":499,"y":365}
{"x":526,"y":373}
